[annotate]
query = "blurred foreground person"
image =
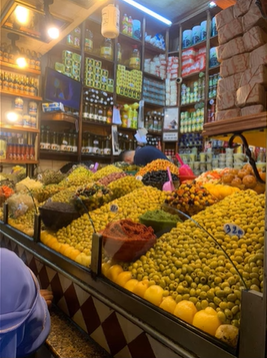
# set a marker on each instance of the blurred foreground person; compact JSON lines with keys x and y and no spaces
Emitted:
{"x":24,"y":316}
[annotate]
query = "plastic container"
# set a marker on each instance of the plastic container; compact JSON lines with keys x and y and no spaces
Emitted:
{"x":187,"y":38}
{"x":134,"y":61}
{"x":106,"y":50}
{"x":110,"y":21}
{"x":195,"y":34}
{"x":203,"y":30}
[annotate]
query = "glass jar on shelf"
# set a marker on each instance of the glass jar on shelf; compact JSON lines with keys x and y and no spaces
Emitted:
{"x":54,"y":142}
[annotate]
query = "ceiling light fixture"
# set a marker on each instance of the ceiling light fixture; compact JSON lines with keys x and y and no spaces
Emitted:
{"x":51,"y":29}
{"x":149,"y":12}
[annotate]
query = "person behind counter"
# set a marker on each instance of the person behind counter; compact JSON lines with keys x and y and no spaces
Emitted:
{"x":142,"y":155}
{"x":24,"y":316}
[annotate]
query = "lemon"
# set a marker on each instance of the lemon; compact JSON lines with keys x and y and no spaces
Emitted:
{"x":154,"y":294}
{"x":131,"y":284}
{"x":140,"y":288}
{"x":185,"y":310}
{"x":168,"y":304}
{"x":113,"y":272}
{"x":123,"y":277}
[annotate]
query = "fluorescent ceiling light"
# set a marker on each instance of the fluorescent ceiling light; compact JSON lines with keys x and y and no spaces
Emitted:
{"x":212,"y":4}
{"x":147,"y":11}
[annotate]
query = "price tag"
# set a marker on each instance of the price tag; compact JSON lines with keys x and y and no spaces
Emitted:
{"x":232,"y":230}
{"x":39,"y":177}
{"x":114,"y":208}
{"x":139,"y":177}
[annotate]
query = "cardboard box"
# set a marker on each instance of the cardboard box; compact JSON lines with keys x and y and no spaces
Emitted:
{"x":225,"y":100}
{"x":253,"y":18}
{"x":230,"y":31}
{"x":249,"y":110}
{"x":241,"y":7}
{"x":250,"y":95}
{"x":90,"y":61}
{"x":230,"y":49}
{"x":254,"y":75}
{"x":236,"y":64}
{"x":224,"y":17}
{"x":259,"y":56}
{"x":228,"y":113}
{"x":254,"y":38}
{"x":66,"y":54}
{"x":230,"y":83}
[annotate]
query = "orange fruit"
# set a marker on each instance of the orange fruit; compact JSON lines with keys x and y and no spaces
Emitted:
{"x":131,"y":284}
{"x":207,"y":320}
{"x":113,"y":272}
{"x":123,"y":277}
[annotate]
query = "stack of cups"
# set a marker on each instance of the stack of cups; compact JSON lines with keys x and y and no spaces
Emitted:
{"x":222,"y":160}
{"x":239,"y":160}
{"x":229,"y":157}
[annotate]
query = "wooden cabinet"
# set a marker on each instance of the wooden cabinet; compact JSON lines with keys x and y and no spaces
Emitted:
{"x":20,"y":95}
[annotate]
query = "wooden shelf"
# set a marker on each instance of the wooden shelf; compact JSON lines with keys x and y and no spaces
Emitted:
{"x":100,"y":124}
{"x":154,"y":49}
{"x":59,"y":116}
{"x":192,"y":76}
{"x":96,"y":156}
{"x":129,"y":39}
{"x":253,"y":126}
{"x":61,"y":47}
{"x":173,"y":53}
{"x":154,"y":77}
{"x":214,"y":41}
{"x":18,"y":128}
{"x":7,"y":161}
{"x":18,"y":69}
{"x":98,"y":57}
{"x":190,"y":105}
{"x":125,"y":99}
{"x":214,"y":69}
{"x":100,"y":90}
{"x":197,"y":45}
{"x":153,"y":105}
{"x":57,"y":155}
{"x":13,"y":94}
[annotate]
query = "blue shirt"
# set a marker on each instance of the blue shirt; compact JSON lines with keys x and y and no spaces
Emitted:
{"x":147,"y":154}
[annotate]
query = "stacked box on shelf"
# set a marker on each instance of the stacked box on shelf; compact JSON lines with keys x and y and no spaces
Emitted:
{"x":97,"y":77}
{"x":71,"y":65}
{"x":242,"y":35}
{"x":156,"y":66}
{"x":193,"y":60}
{"x":154,"y":92}
{"x":171,"y":84}
{"x":129,"y":83}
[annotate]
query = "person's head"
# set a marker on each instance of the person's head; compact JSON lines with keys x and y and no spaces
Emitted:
{"x":127,"y":156}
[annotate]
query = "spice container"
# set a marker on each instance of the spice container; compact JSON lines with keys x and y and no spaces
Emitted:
{"x":18,"y":104}
{"x":32,"y":108}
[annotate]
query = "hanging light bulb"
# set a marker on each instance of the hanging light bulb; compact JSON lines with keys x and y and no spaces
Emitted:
{"x":12,"y":116}
{"x":22,"y":14}
{"x":21,"y":62}
{"x":51,"y":28}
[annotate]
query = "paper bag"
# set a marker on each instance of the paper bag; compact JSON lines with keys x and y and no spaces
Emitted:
{"x":228,"y":113}
{"x":254,"y":38}
{"x":253,"y":17}
{"x":236,"y":64}
{"x":230,"y":31}
{"x":250,"y":95}
{"x":249,"y":110}
{"x":254,"y":75}
{"x":230,"y":49}
{"x":224,"y":17}
{"x":225,"y":100}
{"x":230,"y":83}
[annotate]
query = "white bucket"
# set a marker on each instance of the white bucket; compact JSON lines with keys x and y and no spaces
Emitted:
{"x":203,"y":30}
{"x":187,"y":38}
{"x":195,"y":34}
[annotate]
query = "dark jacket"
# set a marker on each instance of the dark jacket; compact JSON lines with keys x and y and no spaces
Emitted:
{"x":147,"y":154}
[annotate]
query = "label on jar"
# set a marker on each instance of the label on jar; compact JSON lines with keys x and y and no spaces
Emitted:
{"x":88,"y":149}
{"x":74,"y":149}
{"x":42,"y":145}
{"x":114,"y":208}
{"x":91,"y":116}
{"x":47,"y":146}
{"x":54,"y":146}
{"x":95,"y":150}
{"x":95,"y":117}
{"x":18,"y":105}
{"x":85,"y":115}
{"x":69,"y":148}
{"x":83,"y":149}
{"x":107,"y":151}
{"x":105,"y":51}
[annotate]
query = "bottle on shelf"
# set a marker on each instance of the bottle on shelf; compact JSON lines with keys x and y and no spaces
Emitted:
{"x":5,"y":52}
{"x":134,"y":61}
{"x":88,"y":41}
{"x":33,"y":60}
{"x":130,"y":26}
{"x":11,"y":83}
{"x":54,"y":142}
{"x":38,"y":61}
{"x":64,"y":142}
{"x":125,"y":24}
{"x":5,"y":81}
{"x":75,"y":143}
{"x":119,"y":53}
{"x":106,"y":50}
{"x":107,"y":148}
{"x":16,"y":84}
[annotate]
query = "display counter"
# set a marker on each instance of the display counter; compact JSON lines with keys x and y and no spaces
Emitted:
{"x":120,"y":321}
